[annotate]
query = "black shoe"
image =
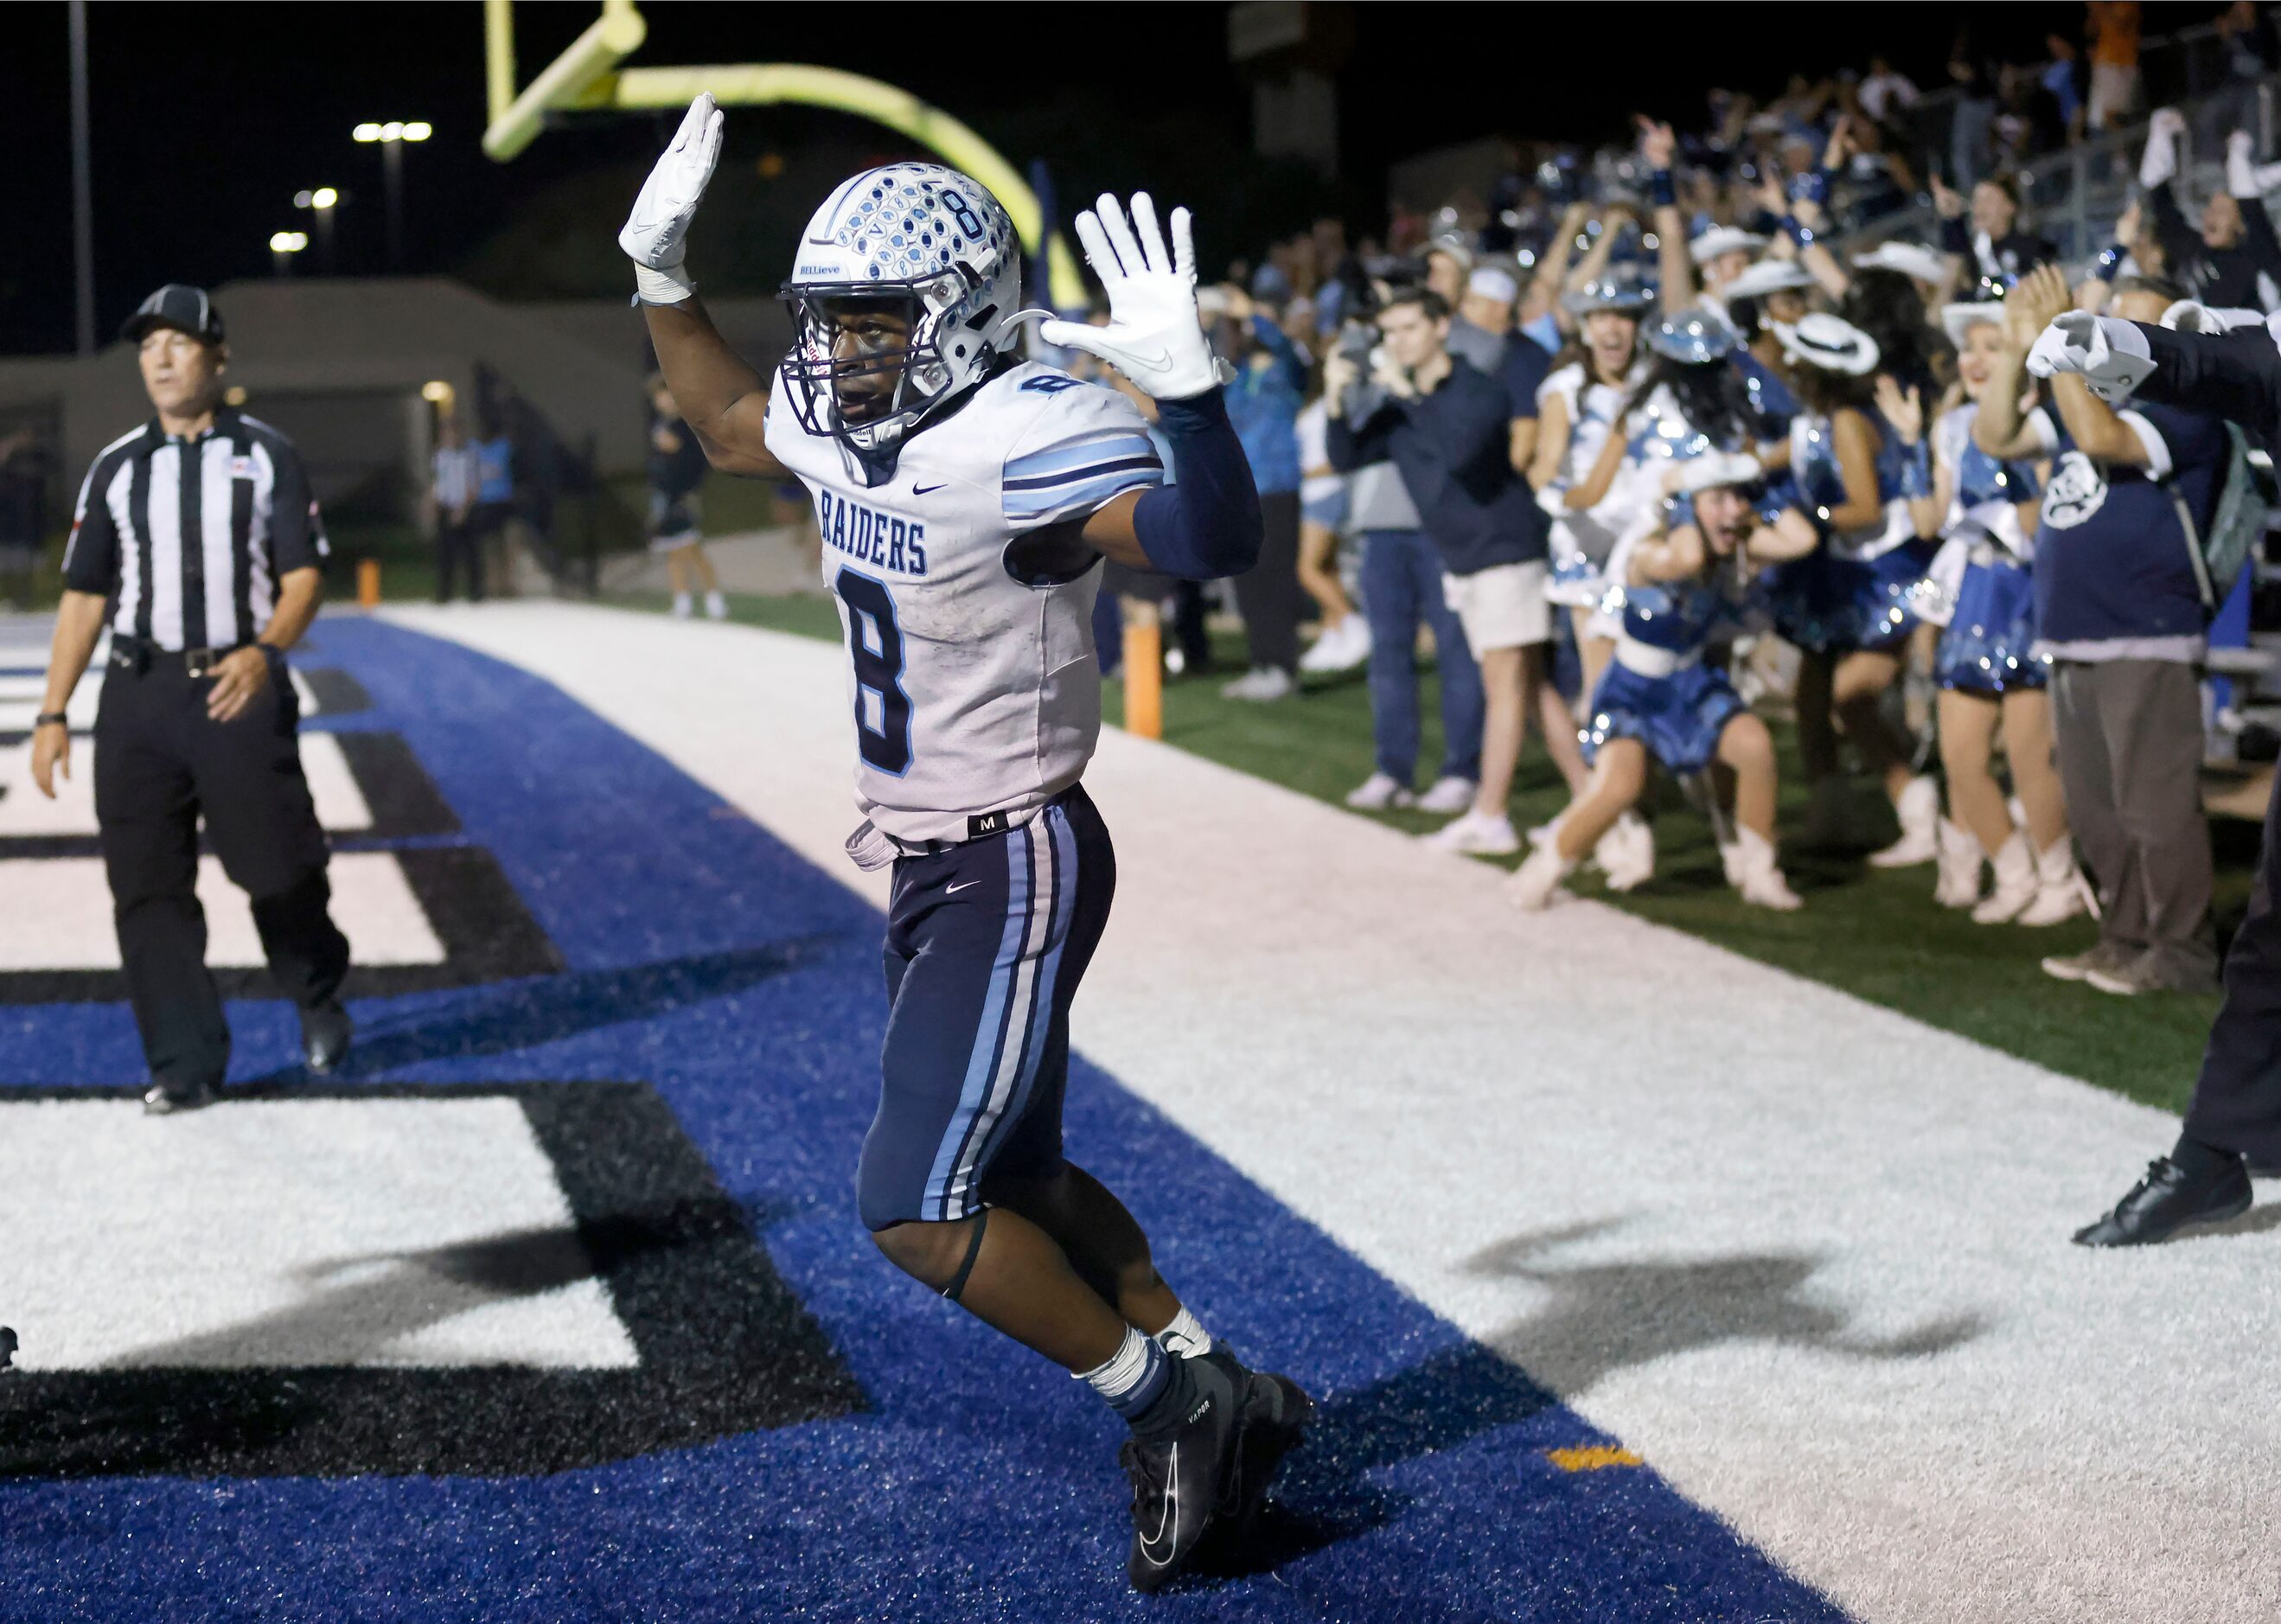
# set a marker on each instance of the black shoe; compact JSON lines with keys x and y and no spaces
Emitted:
{"x":167,"y":1099}
{"x":1178,"y":1474}
{"x":7,"y":1346}
{"x":1274,"y":1414}
{"x":326,"y":1030}
{"x":2166,"y":1201}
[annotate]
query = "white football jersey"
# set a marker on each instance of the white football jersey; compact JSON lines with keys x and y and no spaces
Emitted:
{"x":976,"y":695}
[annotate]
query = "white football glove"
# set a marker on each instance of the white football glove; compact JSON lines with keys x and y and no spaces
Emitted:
{"x":2110,"y":355}
{"x":655,"y":234}
{"x":1154,"y":336}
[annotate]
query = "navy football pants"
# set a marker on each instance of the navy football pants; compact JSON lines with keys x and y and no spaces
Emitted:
{"x":986,"y":942}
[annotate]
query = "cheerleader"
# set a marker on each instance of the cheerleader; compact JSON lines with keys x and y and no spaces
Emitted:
{"x":1847,"y":605}
{"x":1578,"y":408}
{"x":1984,"y":508}
{"x":1661,"y":703}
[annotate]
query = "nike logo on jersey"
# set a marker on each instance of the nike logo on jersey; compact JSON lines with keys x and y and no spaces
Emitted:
{"x":871,"y":537}
{"x":924,"y":490}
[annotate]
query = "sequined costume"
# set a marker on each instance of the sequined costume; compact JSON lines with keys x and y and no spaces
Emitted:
{"x":1853,"y":591}
{"x":1659,"y":689}
{"x":1987,"y":646}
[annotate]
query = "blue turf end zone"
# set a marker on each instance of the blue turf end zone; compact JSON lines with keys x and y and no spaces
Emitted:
{"x":976,"y":1483}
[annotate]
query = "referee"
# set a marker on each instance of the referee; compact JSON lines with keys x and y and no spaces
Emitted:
{"x":197,"y":538}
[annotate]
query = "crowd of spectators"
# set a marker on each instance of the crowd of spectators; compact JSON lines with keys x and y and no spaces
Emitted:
{"x":1646,"y":453}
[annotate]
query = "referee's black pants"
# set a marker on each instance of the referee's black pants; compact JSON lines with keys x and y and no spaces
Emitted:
{"x":160,"y":761}
{"x":2237,"y":1103}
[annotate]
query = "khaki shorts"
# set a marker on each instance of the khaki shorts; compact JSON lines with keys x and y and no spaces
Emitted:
{"x":1502,"y":606}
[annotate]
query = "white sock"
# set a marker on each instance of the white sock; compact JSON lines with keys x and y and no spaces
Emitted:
{"x":1186,"y":1337}
{"x":1133,"y":1377}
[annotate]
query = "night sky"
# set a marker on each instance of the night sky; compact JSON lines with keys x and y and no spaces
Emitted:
{"x":209,"y":117}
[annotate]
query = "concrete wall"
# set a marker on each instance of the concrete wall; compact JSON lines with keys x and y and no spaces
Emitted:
{"x":339,"y":363}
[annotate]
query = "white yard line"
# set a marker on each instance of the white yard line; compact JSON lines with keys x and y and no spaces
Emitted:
{"x":1805,"y":1254}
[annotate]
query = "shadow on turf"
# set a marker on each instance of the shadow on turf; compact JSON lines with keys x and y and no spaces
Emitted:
{"x":529,"y":1014}
{"x":1606,"y":1316}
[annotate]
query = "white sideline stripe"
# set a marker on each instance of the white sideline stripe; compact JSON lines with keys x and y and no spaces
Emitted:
{"x":20,"y":696}
{"x":55,"y":914}
{"x":291,"y":1232}
{"x":24,"y":813}
{"x":1690,"y":1192}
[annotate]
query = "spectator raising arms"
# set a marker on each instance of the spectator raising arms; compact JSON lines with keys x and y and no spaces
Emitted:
{"x":2232,"y":260}
{"x":2120,"y":614}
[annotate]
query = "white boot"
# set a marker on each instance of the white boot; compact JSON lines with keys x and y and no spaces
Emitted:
{"x":2060,"y":890}
{"x":1537,"y":881}
{"x":716,"y":606}
{"x":681,"y":606}
{"x":1626,"y":854}
{"x":1960,"y":857}
{"x":1919,"y":810}
{"x":2014,"y":863}
{"x":1750,"y":862}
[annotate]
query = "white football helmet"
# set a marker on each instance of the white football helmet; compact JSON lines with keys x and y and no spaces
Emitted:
{"x":928,"y":242}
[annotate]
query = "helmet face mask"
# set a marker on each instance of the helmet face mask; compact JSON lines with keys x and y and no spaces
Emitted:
{"x":900,"y":299}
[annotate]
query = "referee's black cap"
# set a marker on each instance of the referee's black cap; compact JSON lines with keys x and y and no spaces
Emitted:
{"x":176,"y":305}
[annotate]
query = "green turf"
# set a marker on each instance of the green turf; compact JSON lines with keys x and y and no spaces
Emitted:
{"x":1871,"y":932}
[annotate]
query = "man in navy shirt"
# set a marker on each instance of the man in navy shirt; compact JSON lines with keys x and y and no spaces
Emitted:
{"x":2119,"y":612}
{"x":1449,"y":427}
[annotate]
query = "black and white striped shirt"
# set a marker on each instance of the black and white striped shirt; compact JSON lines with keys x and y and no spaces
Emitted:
{"x":193,"y":536}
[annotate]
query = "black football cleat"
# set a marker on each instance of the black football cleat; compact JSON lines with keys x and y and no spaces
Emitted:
{"x":173,"y":1099}
{"x":7,"y":1346}
{"x":326,"y":1030}
{"x":2167,"y":1200}
{"x":1178,"y":1476}
{"x":1275,"y":1413}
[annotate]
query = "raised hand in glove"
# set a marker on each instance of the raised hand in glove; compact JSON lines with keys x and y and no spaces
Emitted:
{"x":1154,"y":336}
{"x":2110,"y":355}
{"x":655,"y":234}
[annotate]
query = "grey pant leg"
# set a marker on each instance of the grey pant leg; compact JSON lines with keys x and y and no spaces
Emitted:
{"x":2087,"y":783}
{"x":2154,"y":736}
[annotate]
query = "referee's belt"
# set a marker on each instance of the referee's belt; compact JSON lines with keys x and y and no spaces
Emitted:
{"x":139,"y":654}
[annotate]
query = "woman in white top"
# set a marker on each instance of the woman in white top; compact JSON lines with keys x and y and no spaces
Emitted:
{"x":1577,"y":409}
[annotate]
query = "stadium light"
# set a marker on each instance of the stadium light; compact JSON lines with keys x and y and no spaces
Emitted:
{"x":390,"y":137}
{"x":287,"y":242}
{"x":436,"y":390}
{"x":323,"y":197}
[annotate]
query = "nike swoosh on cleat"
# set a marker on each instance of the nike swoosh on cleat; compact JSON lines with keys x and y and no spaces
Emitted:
{"x":1172,"y":1498}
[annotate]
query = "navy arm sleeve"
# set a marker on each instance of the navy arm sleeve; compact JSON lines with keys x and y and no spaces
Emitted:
{"x":1208,"y":525}
{"x":2235,"y":376}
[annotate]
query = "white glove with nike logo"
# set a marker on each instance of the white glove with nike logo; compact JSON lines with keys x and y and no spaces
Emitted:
{"x":655,"y":234}
{"x":1153,"y":336}
{"x":2110,"y":353}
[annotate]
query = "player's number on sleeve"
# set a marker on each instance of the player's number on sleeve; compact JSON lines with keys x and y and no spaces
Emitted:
{"x":876,"y":644}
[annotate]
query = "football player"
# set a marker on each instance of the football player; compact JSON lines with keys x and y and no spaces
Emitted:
{"x":966,"y":499}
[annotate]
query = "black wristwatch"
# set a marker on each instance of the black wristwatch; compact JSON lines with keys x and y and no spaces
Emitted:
{"x":50,"y":718}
